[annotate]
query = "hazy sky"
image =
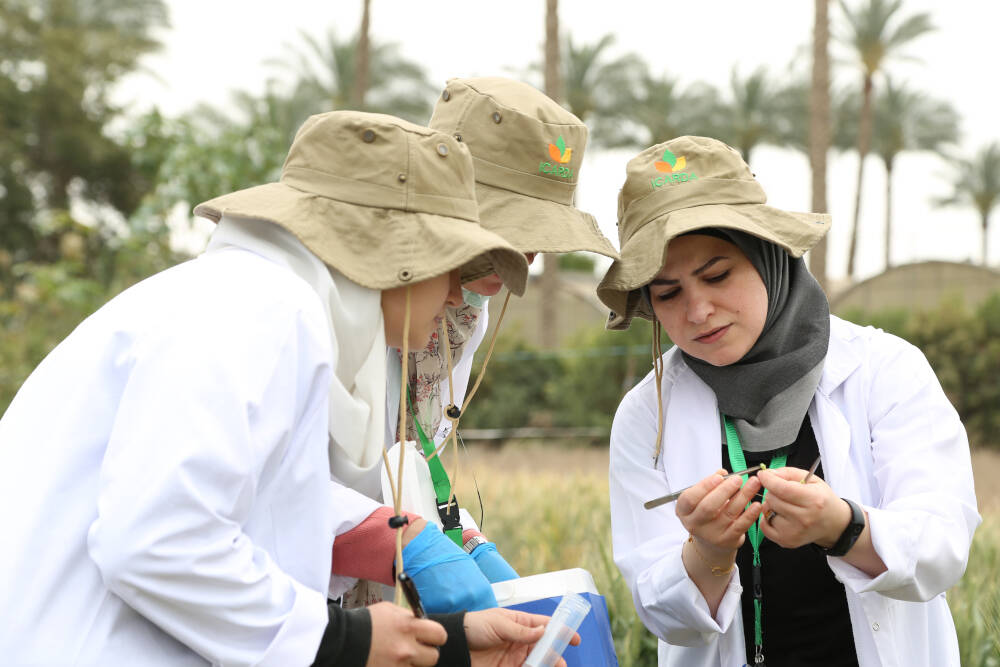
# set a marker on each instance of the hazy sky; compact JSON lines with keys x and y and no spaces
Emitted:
{"x":215,"y":46}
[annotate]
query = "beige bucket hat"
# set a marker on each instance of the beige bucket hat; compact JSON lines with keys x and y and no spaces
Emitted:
{"x":676,"y":187}
{"x":527,"y":151}
{"x":385,"y":202}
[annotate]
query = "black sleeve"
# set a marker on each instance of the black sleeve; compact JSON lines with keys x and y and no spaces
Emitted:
{"x":347,"y":638}
{"x":455,"y":652}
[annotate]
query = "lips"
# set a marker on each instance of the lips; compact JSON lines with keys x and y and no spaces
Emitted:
{"x":713,"y":335}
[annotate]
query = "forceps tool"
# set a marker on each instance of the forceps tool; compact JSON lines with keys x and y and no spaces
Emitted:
{"x":671,"y":497}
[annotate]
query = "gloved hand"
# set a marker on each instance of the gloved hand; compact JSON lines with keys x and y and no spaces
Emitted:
{"x":492,"y":563}
{"x":447,"y":579}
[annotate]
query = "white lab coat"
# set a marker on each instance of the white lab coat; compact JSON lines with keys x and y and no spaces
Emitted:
{"x":165,"y":492}
{"x":890,"y":440}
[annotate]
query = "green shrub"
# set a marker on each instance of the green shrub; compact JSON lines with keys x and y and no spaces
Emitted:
{"x":975,"y":601}
{"x":963,"y":347}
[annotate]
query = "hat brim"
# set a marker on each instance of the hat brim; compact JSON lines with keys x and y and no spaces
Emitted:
{"x":644,"y":254}
{"x":378,"y":248}
{"x":532,"y":224}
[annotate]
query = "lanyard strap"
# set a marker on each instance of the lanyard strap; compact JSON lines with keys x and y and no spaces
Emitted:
{"x":754,"y":533}
{"x":447,"y":511}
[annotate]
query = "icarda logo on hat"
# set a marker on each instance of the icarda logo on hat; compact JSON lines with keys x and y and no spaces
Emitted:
{"x":561,"y":155}
{"x":527,"y":152}
{"x":671,"y":167}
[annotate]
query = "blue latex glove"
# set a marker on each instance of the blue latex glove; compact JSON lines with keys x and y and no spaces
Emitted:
{"x":492,"y":563}
{"x":446,"y":577}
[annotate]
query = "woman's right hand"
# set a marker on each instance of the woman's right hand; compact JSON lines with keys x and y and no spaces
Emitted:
{"x":400,"y":639}
{"x":715,"y":512}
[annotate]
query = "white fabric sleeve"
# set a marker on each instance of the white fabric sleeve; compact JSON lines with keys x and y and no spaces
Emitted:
{"x":208,"y":413}
{"x":648,"y":543}
{"x":923,"y":526}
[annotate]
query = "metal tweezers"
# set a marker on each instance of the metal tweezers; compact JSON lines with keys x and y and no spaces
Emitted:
{"x":671,"y":497}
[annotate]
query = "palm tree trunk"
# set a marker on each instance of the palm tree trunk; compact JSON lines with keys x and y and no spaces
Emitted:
{"x":361,"y":76}
{"x":819,"y":130}
{"x":888,"y":213}
{"x":553,"y":66}
{"x":548,"y":320}
{"x":864,"y":143}
{"x":986,"y":226}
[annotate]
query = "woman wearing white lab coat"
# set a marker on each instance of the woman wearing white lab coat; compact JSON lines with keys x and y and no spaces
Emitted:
{"x":895,"y":510}
{"x":165,"y":480}
{"x":509,"y":128}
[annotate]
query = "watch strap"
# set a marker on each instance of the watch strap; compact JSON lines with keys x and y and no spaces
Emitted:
{"x":851,"y":533}
{"x":473,"y":542}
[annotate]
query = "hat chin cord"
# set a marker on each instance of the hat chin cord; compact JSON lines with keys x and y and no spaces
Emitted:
{"x":453,"y":413}
{"x":658,"y":373}
{"x":397,"y":485}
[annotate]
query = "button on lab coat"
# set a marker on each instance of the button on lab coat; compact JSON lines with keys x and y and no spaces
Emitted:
{"x":890,"y":440}
{"x":164,"y":478}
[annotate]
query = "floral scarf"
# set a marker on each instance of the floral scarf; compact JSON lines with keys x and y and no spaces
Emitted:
{"x":428,"y":368}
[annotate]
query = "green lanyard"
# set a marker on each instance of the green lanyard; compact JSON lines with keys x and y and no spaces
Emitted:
{"x":754,"y":533}
{"x":447,"y":511}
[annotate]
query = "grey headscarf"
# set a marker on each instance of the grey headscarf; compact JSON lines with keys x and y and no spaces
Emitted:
{"x":767,"y":392}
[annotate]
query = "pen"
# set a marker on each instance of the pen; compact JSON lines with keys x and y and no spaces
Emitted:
{"x":671,"y":497}
{"x":412,"y":597}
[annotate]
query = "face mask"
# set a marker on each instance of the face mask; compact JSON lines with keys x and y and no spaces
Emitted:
{"x":473,"y":298}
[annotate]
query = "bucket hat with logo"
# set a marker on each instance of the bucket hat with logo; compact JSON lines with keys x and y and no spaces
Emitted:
{"x":527,"y":152}
{"x":384,"y":201}
{"x":679,"y":186}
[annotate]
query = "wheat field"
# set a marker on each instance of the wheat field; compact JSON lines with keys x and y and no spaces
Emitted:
{"x":546,"y":507}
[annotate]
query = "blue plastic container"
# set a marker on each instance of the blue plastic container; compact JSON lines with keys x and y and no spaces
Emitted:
{"x":541,"y":594}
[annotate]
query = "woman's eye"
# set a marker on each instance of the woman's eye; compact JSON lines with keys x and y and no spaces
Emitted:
{"x":666,"y":296}
{"x":717,"y":279}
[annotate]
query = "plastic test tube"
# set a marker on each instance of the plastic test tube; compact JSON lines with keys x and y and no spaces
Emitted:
{"x":565,"y":621}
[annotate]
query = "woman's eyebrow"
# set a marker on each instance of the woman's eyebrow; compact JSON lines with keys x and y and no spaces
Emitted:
{"x":703,"y":267}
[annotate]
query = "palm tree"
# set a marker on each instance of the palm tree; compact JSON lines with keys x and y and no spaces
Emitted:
{"x":661,"y":109}
{"x":364,"y":56}
{"x":820,"y":128}
{"x":752,"y":117}
{"x":548,"y":318}
{"x":63,"y":59}
{"x":596,"y":85}
{"x":552,"y":65}
{"x":976,"y":183}
{"x":876,"y":33}
{"x":908,"y":120}
{"x":326,"y":71}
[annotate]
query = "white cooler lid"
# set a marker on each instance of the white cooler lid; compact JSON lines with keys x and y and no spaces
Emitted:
{"x":545,"y":585}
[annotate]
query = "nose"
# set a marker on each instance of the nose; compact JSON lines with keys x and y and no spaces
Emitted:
{"x":454,"y":299}
{"x":699,"y":306}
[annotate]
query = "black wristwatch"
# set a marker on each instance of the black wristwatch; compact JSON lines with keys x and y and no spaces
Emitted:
{"x":850,"y":534}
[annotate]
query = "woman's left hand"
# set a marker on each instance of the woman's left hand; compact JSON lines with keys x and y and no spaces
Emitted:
{"x":803,"y":513}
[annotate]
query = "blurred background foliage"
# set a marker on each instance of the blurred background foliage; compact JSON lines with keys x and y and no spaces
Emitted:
{"x":581,"y":385}
{"x":91,"y":196}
